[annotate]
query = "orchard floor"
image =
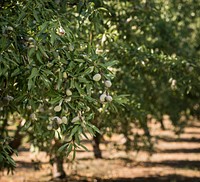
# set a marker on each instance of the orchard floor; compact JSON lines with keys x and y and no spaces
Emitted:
{"x":175,"y":159}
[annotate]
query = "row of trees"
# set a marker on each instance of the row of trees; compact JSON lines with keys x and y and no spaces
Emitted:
{"x":73,"y":68}
{"x":156,"y":44}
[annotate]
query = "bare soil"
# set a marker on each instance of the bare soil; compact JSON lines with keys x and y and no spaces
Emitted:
{"x":175,"y":159}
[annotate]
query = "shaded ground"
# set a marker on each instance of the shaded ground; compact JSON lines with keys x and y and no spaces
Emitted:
{"x":175,"y":159}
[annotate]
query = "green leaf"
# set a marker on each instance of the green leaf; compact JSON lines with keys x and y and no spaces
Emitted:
{"x":15,"y":72}
{"x":79,"y":60}
{"x":43,"y":51}
{"x":84,"y":134}
{"x":89,"y":89}
{"x":55,"y":100}
{"x":47,"y":72}
{"x":60,"y":80}
{"x":90,"y":99}
{"x":31,"y":83}
{"x":109,"y":63}
{"x":34,"y":73}
{"x":39,"y":57}
{"x":21,"y":16}
{"x":31,"y":51}
{"x":63,"y":147}
{"x":43,"y":27}
{"x":53,"y":37}
{"x":74,"y":130}
{"x":77,"y":139}
{"x":80,"y":90}
{"x":83,"y":80}
{"x":69,"y":149}
{"x":74,"y":154}
{"x":94,"y":128}
{"x":90,"y":130}
{"x":26,"y":125}
{"x":36,"y":16}
{"x":72,"y":83}
{"x":87,"y":71}
{"x":84,"y":147}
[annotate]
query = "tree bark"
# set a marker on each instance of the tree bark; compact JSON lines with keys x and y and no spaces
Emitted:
{"x":58,"y":170}
{"x":162,"y":125}
{"x":17,"y":141}
{"x":96,"y":148}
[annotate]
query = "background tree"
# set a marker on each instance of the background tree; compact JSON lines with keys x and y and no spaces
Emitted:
{"x":156,"y":46}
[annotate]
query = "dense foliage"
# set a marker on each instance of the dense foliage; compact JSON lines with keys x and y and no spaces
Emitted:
{"x":55,"y":70}
{"x":157,"y":46}
{"x":50,"y":72}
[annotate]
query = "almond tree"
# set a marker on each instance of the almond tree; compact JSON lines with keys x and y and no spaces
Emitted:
{"x":51,"y":74}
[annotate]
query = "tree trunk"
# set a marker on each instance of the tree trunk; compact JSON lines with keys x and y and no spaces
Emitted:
{"x":96,"y":148}
{"x":58,"y":170}
{"x":17,"y":141}
{"x":162,"y":124}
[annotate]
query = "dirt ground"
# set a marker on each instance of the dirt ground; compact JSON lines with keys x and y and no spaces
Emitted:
{"x":175,"y":159}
